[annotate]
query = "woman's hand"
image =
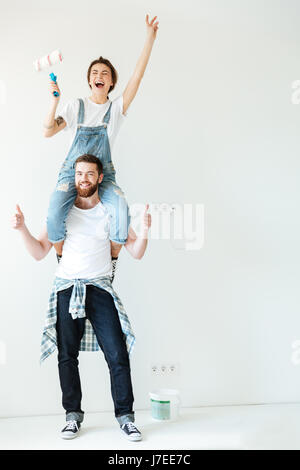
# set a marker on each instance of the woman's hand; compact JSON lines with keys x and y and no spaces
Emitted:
{"x":55,"y":87}
{"x":151,"y":27}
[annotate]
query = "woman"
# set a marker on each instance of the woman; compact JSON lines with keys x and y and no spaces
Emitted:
{"x":94,"y":123}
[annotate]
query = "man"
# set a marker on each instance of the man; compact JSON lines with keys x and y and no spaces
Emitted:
{"x":84,"y":311}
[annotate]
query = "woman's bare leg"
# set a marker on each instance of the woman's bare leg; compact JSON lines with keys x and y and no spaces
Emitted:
{"x":58,"y":247}
{"x":115,"y":249}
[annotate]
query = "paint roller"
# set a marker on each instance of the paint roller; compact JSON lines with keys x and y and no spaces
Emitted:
{"x":48,"y":61}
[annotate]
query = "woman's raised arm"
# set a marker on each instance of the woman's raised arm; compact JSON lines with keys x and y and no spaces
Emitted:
{"x":134,"y":82}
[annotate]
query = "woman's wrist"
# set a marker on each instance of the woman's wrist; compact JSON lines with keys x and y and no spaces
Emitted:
{"x":54,"y":104}
{"x":150,"y":37}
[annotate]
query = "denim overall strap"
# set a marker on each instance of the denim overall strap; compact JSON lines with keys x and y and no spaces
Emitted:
{"x":107,"y":115}
{"x":80,"y":117}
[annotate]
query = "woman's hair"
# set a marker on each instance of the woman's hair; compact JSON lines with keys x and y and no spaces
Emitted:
{"x":114,"y":73}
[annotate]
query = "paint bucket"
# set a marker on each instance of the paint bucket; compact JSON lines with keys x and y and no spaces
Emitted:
{"x":165,"y":404}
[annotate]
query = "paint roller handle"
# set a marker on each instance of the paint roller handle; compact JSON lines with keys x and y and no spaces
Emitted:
{"x":53,"y":78}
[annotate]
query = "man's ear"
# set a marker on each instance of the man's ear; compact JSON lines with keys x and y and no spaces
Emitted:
{"x":100,"y":178}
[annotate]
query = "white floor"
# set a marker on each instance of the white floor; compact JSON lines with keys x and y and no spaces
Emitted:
{"x":229,"y":427}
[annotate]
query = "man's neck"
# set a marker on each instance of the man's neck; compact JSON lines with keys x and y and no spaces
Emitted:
{"x":87,"y":202}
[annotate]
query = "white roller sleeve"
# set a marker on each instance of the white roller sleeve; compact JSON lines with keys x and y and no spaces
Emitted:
{"x":48,"y":60}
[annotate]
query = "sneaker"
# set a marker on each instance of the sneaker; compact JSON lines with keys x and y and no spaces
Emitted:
{"x":71,"y":430}
{"x":131,"y":432}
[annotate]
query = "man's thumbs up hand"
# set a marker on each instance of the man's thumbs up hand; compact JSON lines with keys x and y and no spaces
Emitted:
{"x":18,"y":220}
{"x":146,"y":221}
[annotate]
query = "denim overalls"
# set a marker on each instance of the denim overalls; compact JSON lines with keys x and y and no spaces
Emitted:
{"x":94,"y":141}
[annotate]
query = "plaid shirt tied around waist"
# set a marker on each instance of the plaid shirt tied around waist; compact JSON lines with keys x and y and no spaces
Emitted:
{"x":77,"y":310}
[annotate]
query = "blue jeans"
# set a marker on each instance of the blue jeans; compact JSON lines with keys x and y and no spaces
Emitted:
{"x":93,"y":141}
{"x":103,"y":315}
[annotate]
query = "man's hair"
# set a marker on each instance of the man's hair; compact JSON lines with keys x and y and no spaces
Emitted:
{"x":114,"y":74}
{"x":90,"y":159}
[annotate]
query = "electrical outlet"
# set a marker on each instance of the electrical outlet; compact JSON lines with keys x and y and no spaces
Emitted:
{"x":165,"y":368}
{"x":154,"y":369}
{"x":173,"y":368}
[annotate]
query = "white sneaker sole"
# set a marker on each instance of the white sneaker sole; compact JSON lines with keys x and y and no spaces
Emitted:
{"x":64,"y":435}
{"x":132,"y":438}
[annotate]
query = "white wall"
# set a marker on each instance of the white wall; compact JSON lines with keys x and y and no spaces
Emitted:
{"x":212,"y":124}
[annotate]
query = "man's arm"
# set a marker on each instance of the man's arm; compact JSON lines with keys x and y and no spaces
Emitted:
{"x":134,"y":82}
{"x":136,"y":245}
{"x":37,"y":247}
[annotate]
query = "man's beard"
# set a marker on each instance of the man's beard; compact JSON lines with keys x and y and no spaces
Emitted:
{"x":86,"y":192}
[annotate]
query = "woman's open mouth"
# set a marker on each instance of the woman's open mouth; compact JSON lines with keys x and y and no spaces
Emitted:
{"x":99,"y":84}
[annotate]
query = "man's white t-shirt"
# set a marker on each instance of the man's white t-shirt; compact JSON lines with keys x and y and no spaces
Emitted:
{"x":93,"y":116}
{"x":86,"y":250}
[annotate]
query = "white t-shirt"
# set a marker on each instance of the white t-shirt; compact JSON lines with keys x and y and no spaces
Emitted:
{"x":86,"y":250}
{"x":93,"y":116}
